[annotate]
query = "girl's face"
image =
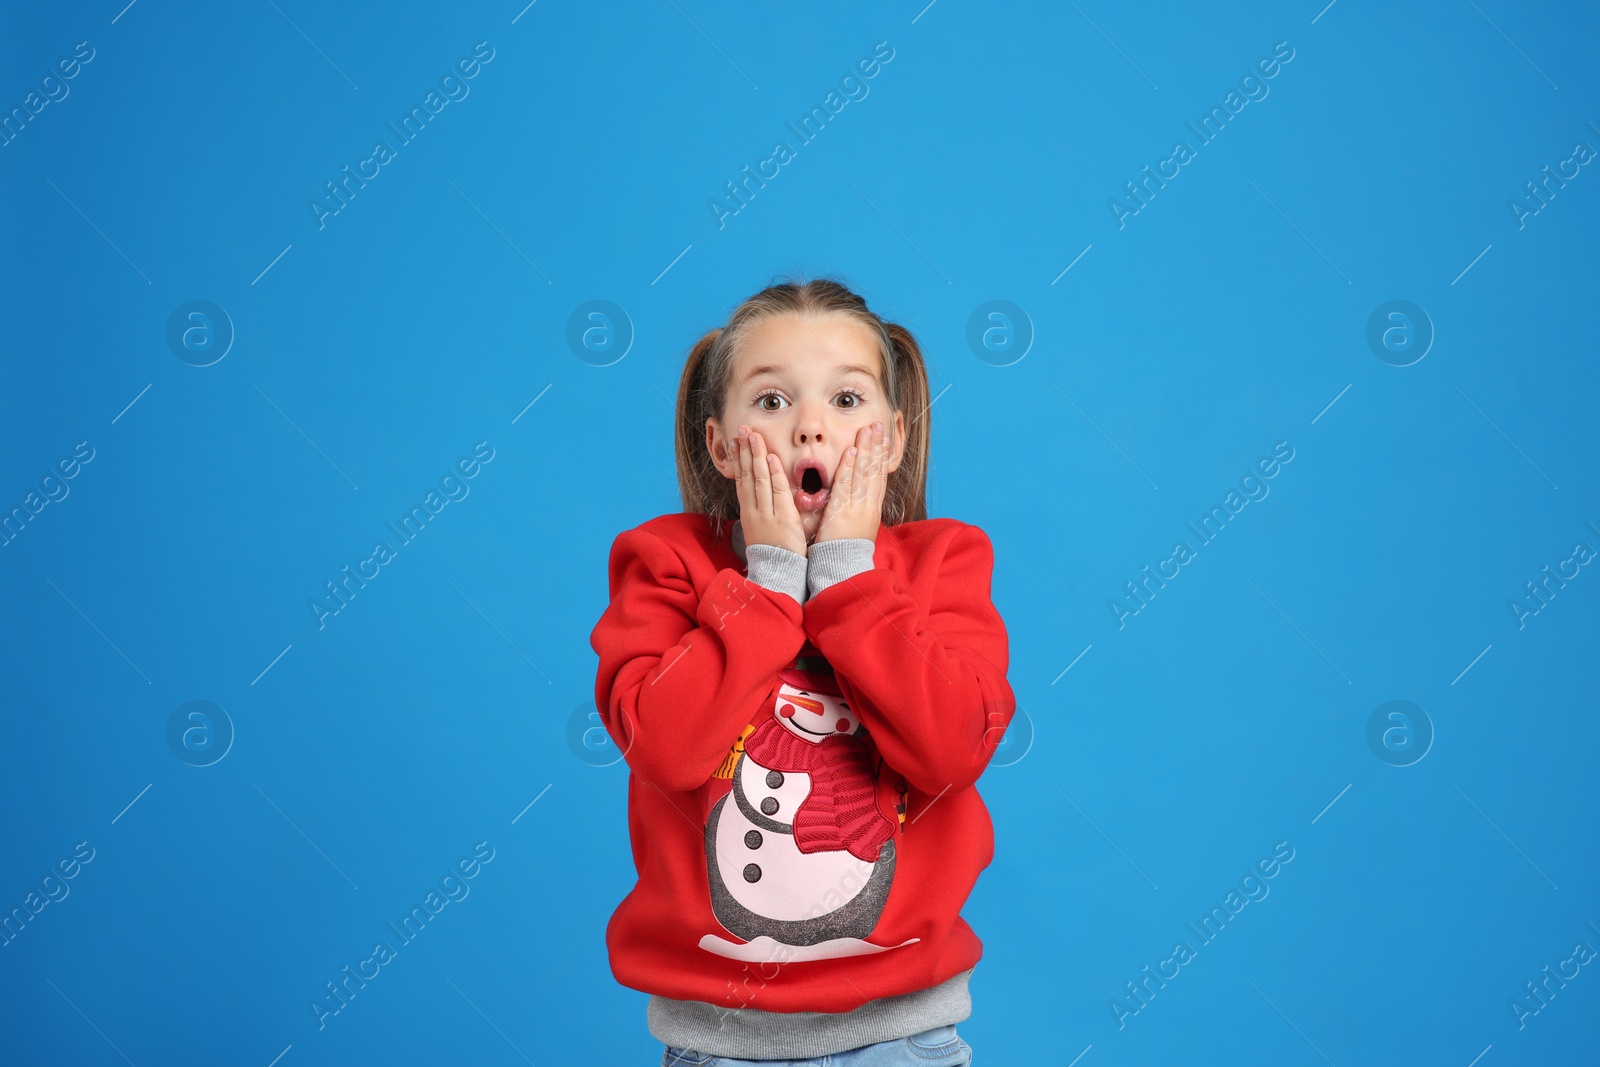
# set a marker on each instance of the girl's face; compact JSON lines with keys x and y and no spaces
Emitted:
{"x":807,"y":386}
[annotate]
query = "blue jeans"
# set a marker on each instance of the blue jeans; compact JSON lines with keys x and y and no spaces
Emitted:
{"x":939,"y":1047}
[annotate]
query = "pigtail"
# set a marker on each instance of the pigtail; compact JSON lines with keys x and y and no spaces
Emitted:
{"x":905,"y":498}
{"x":698,"y":477}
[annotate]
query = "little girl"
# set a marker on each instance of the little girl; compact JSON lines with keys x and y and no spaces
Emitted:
{"x":806,"y":677}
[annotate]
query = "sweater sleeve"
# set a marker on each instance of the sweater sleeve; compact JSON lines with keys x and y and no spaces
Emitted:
{"x":680,"y":671}
{"x":930,"y":686}
{"x":777,"y":568}
{"x":831,"y":562}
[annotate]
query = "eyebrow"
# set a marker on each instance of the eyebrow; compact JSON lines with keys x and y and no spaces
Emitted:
{"x":841,"y":370}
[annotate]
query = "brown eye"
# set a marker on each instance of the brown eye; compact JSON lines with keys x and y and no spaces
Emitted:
{"x":762,"y":398}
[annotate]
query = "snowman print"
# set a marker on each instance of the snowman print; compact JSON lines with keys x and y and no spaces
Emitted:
{"x":799,"y":856}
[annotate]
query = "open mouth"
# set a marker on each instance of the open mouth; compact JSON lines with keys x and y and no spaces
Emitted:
{"x":811,"y":485}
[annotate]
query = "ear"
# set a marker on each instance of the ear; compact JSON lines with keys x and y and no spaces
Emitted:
{"x":897,"y":445}
{"x":717,"y":445}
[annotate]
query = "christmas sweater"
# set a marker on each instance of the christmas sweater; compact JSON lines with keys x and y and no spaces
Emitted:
{"x":801,"y":801}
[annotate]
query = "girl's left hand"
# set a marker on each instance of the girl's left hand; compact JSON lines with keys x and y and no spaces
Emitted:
{"x":855,"y":499}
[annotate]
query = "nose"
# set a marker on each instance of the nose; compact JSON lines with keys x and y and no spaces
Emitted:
{"x":808,"y":427}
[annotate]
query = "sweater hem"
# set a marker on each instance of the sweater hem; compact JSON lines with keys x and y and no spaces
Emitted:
{"x":748,"y":1033}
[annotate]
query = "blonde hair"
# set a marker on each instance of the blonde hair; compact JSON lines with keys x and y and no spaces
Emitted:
{"x":703,"y":391}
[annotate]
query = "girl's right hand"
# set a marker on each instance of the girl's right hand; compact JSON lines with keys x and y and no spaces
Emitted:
{"x":767,"y":511}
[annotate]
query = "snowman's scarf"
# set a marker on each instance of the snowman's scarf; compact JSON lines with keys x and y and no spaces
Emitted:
{"x":841,"y":811}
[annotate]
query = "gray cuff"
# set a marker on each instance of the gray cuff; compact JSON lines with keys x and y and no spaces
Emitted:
{"x":831,"y":562}
{"x":778,"y":569}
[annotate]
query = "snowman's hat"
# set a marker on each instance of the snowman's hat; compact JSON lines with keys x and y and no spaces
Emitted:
{"x":809,"y":670}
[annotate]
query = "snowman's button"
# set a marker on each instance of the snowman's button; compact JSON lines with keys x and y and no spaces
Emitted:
{"x":769,"y":805}
{"x":752,"y":873}
{"x":774,"y":779}
{"x":752,"y":839}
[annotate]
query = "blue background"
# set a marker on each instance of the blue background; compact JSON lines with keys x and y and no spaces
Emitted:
{"x":445,"y":704}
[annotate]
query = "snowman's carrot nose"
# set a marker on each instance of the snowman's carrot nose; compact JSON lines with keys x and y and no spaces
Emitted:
{"x":816,"y":707}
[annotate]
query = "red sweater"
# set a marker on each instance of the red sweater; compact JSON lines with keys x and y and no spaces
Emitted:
{"x":801,"y":802}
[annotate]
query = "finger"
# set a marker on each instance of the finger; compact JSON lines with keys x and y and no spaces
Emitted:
{"x":880,"y":451}
{"x":740,"y":453}
{"x":761,"y":470}
{"x":845,"y":480}
{"x":879,"y":483}
{"x":781,"y":493}
{"x":868,"y":445}
{"x":840,"y":492}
